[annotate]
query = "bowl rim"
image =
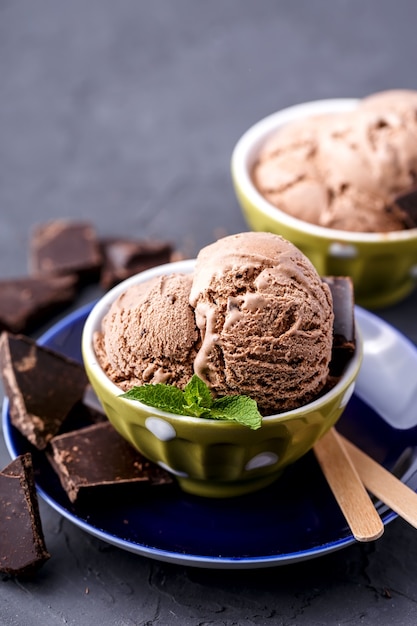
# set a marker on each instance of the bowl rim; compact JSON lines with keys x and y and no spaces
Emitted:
{"x":244,"y":155}
{"x":94,"y":369}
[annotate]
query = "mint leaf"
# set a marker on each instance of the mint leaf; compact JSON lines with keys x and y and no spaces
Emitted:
{"x":165,"y":397}
{"x":196,"y":401}
{"x":197,"y":398}
{"x":197,"y":391}
{"x":241,"y":409}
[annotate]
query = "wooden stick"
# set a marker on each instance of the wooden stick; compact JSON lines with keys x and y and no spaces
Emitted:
{"x":347,"y":487}
{"x":384,"y":485}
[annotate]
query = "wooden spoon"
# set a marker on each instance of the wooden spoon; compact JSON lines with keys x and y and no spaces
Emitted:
{"x":348,"y":488}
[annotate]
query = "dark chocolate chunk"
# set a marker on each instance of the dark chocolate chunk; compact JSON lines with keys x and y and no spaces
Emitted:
{"x":344,"y":339}
{"x":22,"y":544}
{"x":27,"y":302}
{"x":96,"y":457}
{"x":63,"y":247}
{"x":406,"y":203}
{"x":42,"y":385}
{"x":81,"y":415}
{"x":126,"y":257}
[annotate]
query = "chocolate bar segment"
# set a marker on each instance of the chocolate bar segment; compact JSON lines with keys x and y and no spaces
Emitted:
{"x":97,"y":457}
{"x":22,"y":543}
{"x":344,"y":338}
{"x":26,"y":302}
{"x":406,"y":204}
{"x":65,"y":247}
{"x":125,"y":257}
{"x":42,"y":385}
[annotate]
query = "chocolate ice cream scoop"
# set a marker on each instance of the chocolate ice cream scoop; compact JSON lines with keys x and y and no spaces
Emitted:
{"x":266,"y":321}
{"x":286,"y":170}
{"x":149,"y":334}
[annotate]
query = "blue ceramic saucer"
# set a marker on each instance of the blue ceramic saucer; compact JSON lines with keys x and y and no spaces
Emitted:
{"x":295,"y":519}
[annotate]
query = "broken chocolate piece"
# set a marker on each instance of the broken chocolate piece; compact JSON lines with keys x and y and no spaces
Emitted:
{"x":126,"y":257}
{"x":406,"y":203}
{"x":97,"y":456}
{"x":81,"y":415}
{"x":42,"y":385}
{"x":26,"y":302}
{"x":22,"y":544}
{"x":63,"y":247}
{"x":344,"y":339}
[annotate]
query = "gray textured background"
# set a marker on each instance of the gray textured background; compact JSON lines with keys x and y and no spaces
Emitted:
{"x":126,"y":113}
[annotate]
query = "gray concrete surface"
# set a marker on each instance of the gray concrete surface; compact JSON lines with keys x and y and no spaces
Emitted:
{"x":126,"y":113}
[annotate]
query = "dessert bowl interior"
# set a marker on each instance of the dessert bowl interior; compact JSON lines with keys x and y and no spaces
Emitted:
{"x":210,"y":457}
{"x":383,"y":266}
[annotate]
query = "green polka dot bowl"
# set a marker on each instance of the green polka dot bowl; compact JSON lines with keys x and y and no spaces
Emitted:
{"x":212,"y":458}
{"x":382,"y":266}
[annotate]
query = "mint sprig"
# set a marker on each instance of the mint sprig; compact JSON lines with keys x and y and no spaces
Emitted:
{"x":196,"y":400}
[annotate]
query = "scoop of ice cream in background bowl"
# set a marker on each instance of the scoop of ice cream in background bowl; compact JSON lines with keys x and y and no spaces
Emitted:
{"x":250,"y":316}
{"x":338,"y":178}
